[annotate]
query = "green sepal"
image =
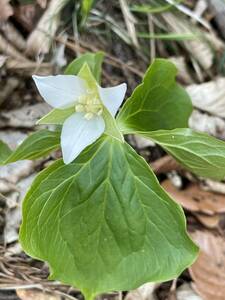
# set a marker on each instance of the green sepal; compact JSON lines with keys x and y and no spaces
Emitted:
{"x":110,"y":122}
{"x":57,"y":116}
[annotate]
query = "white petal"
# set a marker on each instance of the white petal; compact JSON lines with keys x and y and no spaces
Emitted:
{"x":78,"y":133}
{"x":113,"y":97}
{"x":60,"y":91}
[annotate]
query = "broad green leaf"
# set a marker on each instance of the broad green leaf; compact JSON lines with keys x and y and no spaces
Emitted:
{"x":94,"y":61}
{"x":5,"y":152}
{"x":57,"y":116}
{"x":157,"y":103}
{"x":198,"y":152}
{"x":103,"y":222}
{"x":34,"y":146}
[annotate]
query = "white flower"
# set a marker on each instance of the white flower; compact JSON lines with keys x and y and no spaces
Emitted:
{"x":86,"y":124}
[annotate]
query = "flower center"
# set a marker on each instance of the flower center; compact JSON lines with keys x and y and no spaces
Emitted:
{"x":90,"y":104}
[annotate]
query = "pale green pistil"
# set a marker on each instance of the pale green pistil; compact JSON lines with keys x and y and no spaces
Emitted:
{"x":90,"y":104}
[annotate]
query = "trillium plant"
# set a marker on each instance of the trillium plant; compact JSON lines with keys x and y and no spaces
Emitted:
{"x":84,"y":101}
{"x":99,"y":216}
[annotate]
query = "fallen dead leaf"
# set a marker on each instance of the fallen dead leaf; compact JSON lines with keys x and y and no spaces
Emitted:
{"x":219,"y":11}
{"x":25,"y":117}
{"x":6,"y":10}
{"x":140,"y":142}
{"x":145,"y":292}
{"x":198,"y":48}
{"x":41,"y":37}
{"x":212,"y":125}
{"x":42,"y":3}
{"x":26,"y":16}
{"x":209,"y":96}
{"x":13,"y":215}
{"x":209,"y":221}
{"x":185,"y":292}
{"x":208,"y":272}
{"x":3,"y":59}
{"x":35,"y":295}
{"x":165,"y":164}
{"x":183,"y":73}
{"x":196,"y":200}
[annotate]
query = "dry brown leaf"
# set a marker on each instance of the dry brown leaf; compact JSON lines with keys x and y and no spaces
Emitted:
{"x":218,"y":7}
{"x":185,"y":292}
{"x":6,"y":10}
{"x":13,"y":215}
{"x":183,"y":73}
{"x":208,"y":272}
{"x":209,"y":221}
{"x":140,"y":142}
{"x":36,"y":295}
{"x":212,"y":125}
{"x":42,"y":3}
{"x":195,"y":199}
{"x":41,"y":37}
{"x":209,"y":96}
{"x":25,"y":117}
{"x":130,"y":21}
{"x":13,"y":35}
{"x":3,"y":59}
{"x":214,"y":186}
{"x":198,"y":48}
{"x":26,"y":16}
{"x":145,"y":292}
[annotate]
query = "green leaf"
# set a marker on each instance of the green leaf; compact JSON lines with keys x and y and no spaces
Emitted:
{"x":35,"y":146}
{"x":5,"y":152}
{"x":57,"y":116}
{"x":111,"y":128}
{"x":86,"y":6}
{"x":198,"y":152}
{"x":157,"y":103}
{"x":86,"y":74}
{"x":103,"y":222}
{"x":94,"y":61}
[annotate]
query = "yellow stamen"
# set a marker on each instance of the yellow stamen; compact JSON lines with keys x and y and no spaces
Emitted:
{"x":90,"y":104}
{"x":89,"y":115}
